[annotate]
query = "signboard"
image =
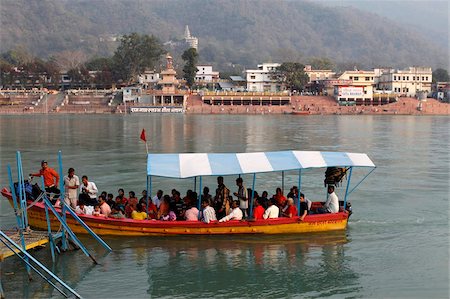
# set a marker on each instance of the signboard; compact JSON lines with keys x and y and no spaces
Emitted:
{"x":329,"y":83}
{"x":156,"y":109}
{"x":351,"y":91}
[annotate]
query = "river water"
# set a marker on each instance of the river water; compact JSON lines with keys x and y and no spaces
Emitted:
{"x":396,"y":245}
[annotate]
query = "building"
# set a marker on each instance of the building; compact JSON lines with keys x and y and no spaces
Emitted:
{"x":205,"y":74}
{"x":192,"y":41}
{"x":411,"y":82}
{"x":359,"y":91}
{"x":316,"y":75}
{"x":148,"y":78}
{"x":263,"y":78}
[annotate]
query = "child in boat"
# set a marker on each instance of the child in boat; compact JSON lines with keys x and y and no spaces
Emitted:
{"x":117,"y":213}
{"x":82,"y":209}
{"x":97,"y":211}
{"x":235,"y":214}
{"x":138,"y":214}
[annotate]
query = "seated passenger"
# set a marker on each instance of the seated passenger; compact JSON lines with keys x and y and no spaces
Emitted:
{"x":280,"y":198}
{"x":131,"y":205}
{"x":97,"y":211}
{"x":206,"y":195}
{"x":105,"y":209}
{"x":258,"y":211}
{"x":138,"y":214}
{"x":291,"y":210}
{"x":332,"y":203}
{"x":208,"y":213}
{"x":168,"y":216}
{"x":235,"y":213}
{"x":164,"y":206}
{"x":117,"y":212}
{"x":110,"y":200}
{"x":178,"y":206}
{"x":121,"y":197}
{"x":192,"y":212}
{"x":303,"y":207}
{"x":272,"y":211}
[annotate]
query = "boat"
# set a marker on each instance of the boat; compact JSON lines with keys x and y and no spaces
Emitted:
{"x":198,"y":165}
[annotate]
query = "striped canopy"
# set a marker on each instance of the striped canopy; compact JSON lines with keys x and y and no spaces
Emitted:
{"x":202,"y":164}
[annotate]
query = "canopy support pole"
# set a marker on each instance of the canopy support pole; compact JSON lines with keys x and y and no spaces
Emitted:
{"x":64,"y":241}
{"x":282,"y":182}
{"x":346,"y":189}
{"x":299,"y":191}
{"x":195,"y":183}
{"x":250,"y":214}
{"x":149,"y":191}
{"x":353,"y":189}
{"x":199,"y":196}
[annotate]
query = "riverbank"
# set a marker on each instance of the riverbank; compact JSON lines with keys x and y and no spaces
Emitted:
{"x":300,"y":105}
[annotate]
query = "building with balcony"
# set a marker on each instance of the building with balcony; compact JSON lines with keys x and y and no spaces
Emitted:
{"x":411,"y":82}
{"x":263,"y":79}
{"x":205,"y":74}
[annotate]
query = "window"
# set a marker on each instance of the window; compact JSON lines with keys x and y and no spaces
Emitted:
{"x":404,"y":78}
{"x":395,"y":78}
{"x":356,"y":78}
{"x":426,"y":78}
{"x":414,"y":78}
{"x":351,"y":77}
{"x":407,"y":78}
{"x":367,"y":78}
{"x":423,"y":78}
{"x":253,"y":77}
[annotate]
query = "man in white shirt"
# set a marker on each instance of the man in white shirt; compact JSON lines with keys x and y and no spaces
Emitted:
{"x":71,"y":184}
{"x":272,"y":211}
{"x":235,"y":213}
{"x":88,"y":192}
{"x":209,"y":214}
{"x":332,"y":203}
{"x":242,"y":195}
{"x":157,"y":198}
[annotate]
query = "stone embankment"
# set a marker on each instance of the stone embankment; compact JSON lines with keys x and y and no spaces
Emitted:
{"x":320,"y":105}
{"x":39,"y":103}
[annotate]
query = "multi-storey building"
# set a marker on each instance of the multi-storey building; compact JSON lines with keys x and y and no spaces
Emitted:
{"x":263,"y":78}
{"x":316,"y":75}
{"x":409,"y":82}
{"x":205,"y":74}
{"x":359,"y":91}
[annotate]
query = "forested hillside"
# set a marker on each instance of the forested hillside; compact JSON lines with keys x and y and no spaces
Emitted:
{"x":239,"y":32}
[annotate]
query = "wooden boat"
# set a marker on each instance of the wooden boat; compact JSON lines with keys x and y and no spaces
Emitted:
{"x":199,"y":165}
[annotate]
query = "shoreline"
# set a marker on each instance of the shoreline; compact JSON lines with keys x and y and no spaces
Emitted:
{"x":300,"y":106}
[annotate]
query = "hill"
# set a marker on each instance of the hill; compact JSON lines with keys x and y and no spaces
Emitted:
{"x":244,"y":32}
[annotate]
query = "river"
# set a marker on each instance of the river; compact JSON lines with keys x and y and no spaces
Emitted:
{"x":396,"y":245}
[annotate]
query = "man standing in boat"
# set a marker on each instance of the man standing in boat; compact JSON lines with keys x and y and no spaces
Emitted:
{"x":242,"y":195}
{"x":221,"y":203}
{"x":51,"y":179}
{"x":71,"y":185}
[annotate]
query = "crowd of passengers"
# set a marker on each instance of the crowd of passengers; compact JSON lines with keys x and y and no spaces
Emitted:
{"x":223,"y":206}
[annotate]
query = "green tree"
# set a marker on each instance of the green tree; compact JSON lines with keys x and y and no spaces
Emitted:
{"x":292,"y":75}
{"x":440,"y":75}
{"x":134,"y":54}
{"x":190,"y":68}
{"x":321,"y":63}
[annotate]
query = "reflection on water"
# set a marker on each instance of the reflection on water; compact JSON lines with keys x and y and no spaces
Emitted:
{"x":274,"y":266}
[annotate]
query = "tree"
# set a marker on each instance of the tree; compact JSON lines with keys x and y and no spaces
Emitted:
{"x":136,"y":53}
{"x":292,"y":75}
{"x":440,"y":75}
{"x":321,"y":63}
{"x":190,"y":68}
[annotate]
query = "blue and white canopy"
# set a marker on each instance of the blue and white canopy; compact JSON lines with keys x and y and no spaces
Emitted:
{"x":203,"y":164}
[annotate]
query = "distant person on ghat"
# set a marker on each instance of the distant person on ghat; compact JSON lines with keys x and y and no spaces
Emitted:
{"x":51,"y":179}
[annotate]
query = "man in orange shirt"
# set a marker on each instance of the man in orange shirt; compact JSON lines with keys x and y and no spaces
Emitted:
{"x":51,"y":179}
{"x":258,"y":211}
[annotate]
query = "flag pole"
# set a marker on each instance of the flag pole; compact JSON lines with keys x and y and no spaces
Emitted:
{"x":146,"y":146}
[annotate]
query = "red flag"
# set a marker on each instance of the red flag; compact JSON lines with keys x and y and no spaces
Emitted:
{"x":143,"y":136}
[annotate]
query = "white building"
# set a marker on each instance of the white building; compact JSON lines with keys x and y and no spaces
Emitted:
{"x":410,"y":82}
{"x":206,"y":74}
{"x":148,"y":78}
{"x":263,"y":79}
{"x":315,"y":75}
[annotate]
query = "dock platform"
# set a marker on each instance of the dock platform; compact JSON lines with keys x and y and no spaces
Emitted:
{"x":33,"y":239}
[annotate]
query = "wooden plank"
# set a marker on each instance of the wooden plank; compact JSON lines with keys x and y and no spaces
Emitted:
{"x":33,"y":239}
